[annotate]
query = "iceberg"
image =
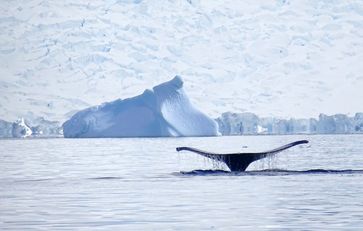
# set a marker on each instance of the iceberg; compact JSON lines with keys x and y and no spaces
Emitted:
{"x":44,"y":128}
{"x":31,"y":126}
{"x":163,"y":111}
{"x":21,"y":129}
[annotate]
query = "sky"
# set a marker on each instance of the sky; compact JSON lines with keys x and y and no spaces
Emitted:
{"x":272,"y":58}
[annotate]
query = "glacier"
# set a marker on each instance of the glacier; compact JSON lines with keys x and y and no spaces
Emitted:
{"x":163,"y":111}
{"x":273,"y":58}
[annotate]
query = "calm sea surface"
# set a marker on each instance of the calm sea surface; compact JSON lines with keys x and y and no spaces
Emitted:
{"x":144,"y":184}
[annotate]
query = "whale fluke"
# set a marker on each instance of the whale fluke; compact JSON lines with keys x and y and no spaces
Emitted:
{"x":240,"y":161}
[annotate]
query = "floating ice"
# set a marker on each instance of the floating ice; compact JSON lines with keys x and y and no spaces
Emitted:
{"x":163,"y":111}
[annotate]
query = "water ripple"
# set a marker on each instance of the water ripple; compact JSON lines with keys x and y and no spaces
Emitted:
{"x":268,"y":172}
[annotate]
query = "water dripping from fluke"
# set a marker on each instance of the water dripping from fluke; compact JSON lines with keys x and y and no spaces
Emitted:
{"x":238,"y":162}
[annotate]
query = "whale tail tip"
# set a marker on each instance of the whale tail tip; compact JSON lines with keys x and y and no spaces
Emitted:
{"x":178,"y":149}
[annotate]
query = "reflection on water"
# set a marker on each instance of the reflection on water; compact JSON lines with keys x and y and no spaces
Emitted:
{"x":144,"y":184}
{"x":268,"y":172}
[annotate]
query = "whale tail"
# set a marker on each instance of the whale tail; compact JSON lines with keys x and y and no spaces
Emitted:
{"x":240,"y":161}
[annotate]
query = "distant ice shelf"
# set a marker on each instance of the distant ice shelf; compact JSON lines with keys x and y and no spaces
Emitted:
{"x":250,"y":124}
{"x":30,"y":127}
{"x":163,"y":111}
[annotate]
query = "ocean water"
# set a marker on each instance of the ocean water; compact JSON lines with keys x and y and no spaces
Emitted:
{"x":144,"y":184}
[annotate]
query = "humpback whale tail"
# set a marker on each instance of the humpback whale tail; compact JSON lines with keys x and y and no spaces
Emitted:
{"x":240,"y":161}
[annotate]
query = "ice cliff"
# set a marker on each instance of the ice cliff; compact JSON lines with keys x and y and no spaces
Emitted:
{"x":163,"y":111}
{"x":250,"y":124}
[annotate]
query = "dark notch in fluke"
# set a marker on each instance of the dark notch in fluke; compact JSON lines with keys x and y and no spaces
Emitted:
{"x":240,"y":161}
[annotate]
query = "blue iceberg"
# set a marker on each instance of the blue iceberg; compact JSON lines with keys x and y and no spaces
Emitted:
{"x":163,"y":111}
